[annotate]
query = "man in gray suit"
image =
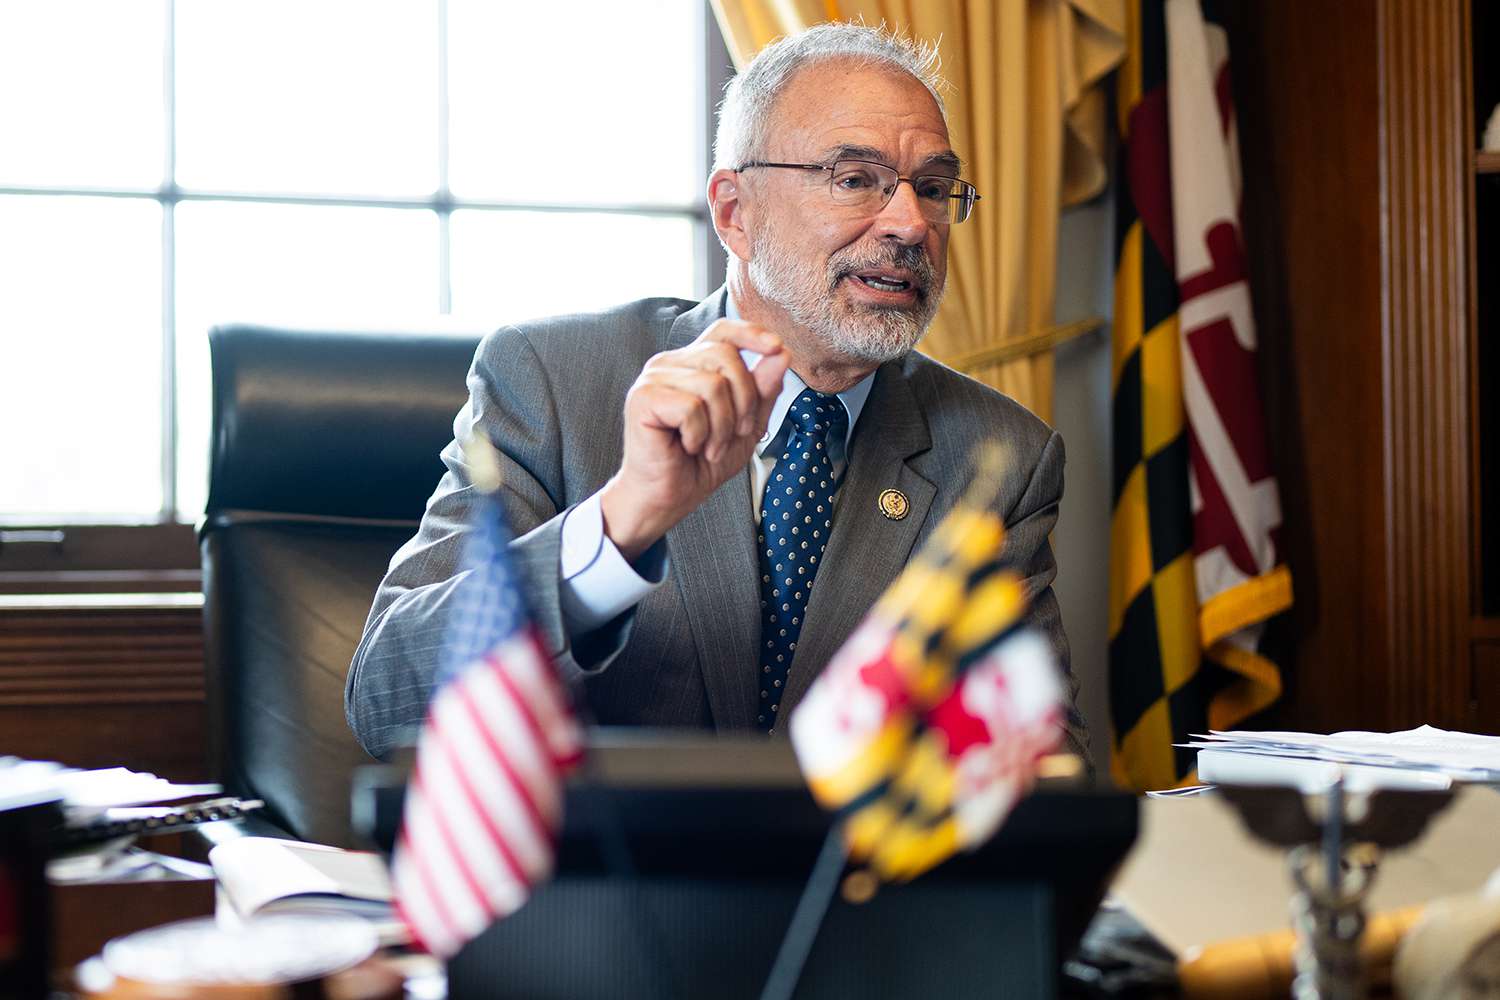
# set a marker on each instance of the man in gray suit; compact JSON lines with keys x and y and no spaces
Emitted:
{"x":644,"y":448}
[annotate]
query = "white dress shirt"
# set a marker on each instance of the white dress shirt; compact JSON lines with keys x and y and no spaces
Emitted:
{"x":598,"y":583}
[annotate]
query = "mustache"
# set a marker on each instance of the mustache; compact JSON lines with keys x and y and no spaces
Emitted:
{"x":907,"y":256}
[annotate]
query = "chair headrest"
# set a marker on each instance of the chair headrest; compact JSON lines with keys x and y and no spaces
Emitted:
{"x":341,"y":423}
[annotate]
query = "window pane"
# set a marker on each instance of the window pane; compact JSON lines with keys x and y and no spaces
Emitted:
{"x":287,"y":263}
{"x":80,"y":386}
{"x":82,"y":81}
{"x":609,"y":114}
{"x":514,"y":265}
{"x":288,"y":96}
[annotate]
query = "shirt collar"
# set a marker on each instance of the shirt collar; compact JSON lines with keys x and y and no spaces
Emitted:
{"x":792,"y":385}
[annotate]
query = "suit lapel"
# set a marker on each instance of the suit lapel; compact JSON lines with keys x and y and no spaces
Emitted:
{"x":713,"y":559}
{"x":866,"y":549}
{"x":690,"y":325}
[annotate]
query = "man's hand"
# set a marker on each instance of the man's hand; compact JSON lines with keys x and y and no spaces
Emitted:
{"x":692,"y":420}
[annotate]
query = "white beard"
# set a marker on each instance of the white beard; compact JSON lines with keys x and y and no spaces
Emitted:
{"x":862,"y":333}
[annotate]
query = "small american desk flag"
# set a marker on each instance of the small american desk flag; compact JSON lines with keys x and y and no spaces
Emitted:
{"x":484,"y":802}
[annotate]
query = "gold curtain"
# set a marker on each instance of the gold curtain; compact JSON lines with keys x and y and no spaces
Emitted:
{"x":1028,"y":117}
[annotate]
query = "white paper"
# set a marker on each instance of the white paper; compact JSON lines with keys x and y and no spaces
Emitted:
{"x":256,"y":871}
{"x":119,"y":786}
{"x":87,"y":793}
{"x":1458,"y":756}
{"x":27,"y":782}
{"x":1236,"y":766}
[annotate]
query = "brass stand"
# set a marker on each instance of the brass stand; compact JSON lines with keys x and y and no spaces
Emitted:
{"x":1333,"y":842}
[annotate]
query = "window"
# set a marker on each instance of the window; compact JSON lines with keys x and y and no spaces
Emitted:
{"x":165,"y":166}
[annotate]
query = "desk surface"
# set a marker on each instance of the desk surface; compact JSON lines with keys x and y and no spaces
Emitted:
{"x":84,"y":917}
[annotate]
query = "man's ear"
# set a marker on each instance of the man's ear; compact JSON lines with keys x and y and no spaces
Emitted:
{"x":726,"y":209}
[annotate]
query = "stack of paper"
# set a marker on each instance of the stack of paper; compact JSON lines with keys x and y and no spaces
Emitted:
{"x":86,"y":794}
{"x":27,"y":782}
{"x":1417,"y":758}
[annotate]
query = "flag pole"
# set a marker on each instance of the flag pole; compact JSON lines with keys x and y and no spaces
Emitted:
{"x":486,"y":474}
{"x":807,"y":918}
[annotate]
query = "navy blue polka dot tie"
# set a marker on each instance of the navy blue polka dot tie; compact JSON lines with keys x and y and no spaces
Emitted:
{"x":795,"y":515}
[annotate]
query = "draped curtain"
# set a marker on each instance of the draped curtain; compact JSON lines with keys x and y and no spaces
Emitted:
{"x":1027,"y":114}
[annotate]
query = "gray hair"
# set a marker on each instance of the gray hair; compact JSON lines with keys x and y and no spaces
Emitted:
{"x":745,"y":112}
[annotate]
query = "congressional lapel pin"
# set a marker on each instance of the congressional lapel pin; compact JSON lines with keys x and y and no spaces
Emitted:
{"x":894,"y":505}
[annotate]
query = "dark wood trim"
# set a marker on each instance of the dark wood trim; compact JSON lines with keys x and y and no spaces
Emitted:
{"x":93,"y":558}
{"x":1487,"y":680}
{"x":97,"y":687}
{"x":1471,"y":215}
{"x":1424,"y":277}
{"x":1356,"y":132}
{"x":1485,"y":629}
{"x":1487,"y":162}
{"x":103,"y":581}
{"x":1308,"y":100}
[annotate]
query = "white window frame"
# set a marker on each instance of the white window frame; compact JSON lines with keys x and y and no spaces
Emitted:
{"x":709,"y":267}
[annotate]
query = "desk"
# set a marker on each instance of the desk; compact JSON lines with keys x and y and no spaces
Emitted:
{"x":85,"y":916}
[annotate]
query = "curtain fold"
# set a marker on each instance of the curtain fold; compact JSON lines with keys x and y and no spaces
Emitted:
{"x":1027,"y":113}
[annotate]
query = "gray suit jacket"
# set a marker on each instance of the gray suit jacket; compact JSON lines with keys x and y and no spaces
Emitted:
{"x":551,"y":393}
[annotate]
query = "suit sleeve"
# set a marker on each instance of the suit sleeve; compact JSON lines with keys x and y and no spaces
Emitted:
{"x":1029,"y":525}
{"x":390,"y":679}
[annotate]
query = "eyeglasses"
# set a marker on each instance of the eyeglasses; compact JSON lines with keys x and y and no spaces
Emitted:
{"x":868,"y":187}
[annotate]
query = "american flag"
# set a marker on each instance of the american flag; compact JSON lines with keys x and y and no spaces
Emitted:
{"x":484,"y":801}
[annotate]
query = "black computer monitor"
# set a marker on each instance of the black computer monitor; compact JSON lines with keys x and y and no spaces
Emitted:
{"x":683,"y":857}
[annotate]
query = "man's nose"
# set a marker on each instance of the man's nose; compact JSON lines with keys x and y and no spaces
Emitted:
{"x":902,"y":218}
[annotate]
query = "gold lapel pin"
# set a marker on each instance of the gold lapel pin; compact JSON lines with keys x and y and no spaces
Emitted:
{"x":894,"y":505}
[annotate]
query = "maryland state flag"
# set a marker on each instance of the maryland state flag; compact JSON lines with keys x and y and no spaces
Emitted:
{"x":928,"y":723}
{"x":1195,"y":558}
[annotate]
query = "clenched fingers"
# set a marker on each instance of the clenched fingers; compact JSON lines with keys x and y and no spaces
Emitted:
{"x":742,"y":335}
{"x":672,"y":408}
{"x":717,"y":398}
{"x":724,"y":359}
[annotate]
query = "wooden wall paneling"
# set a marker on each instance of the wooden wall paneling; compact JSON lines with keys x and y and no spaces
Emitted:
{"x":1307,"y":96}
{"x":1479,"y":591}
{"x":1352,"y":130}
{"x":1484,"y":340}
{"x":98,"y":687}
{"x":1425,"y":157}
{"x":1487,"y":679}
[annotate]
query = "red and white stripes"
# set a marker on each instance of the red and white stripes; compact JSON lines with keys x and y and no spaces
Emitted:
{"x":484,"y":802}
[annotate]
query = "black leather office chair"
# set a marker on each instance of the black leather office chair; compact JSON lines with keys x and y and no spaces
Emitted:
{"x":324,"y":451}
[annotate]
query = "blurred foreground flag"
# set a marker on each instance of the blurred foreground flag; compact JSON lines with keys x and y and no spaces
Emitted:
{"x":484,"y":802}
{"x":927,"y":725}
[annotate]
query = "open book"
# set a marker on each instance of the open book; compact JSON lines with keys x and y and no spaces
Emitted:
{"x":259,"y":875}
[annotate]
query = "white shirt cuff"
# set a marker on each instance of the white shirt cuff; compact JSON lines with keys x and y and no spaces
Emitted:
{"x":597,"y":583}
